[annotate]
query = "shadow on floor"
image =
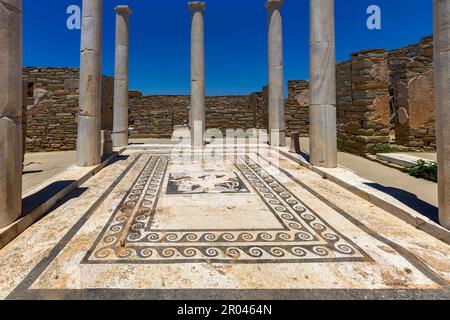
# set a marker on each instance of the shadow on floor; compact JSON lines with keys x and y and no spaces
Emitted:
{"x":34,"y":201}
{"x":31,"y":171}
{"x":116,"y":159}
{"x":409,"y":200}
{"x":304,"y":155}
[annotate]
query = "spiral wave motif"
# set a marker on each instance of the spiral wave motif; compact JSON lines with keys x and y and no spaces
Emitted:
{"x":145,"y":253}
{"x":212,"y":252}
{"x":320,"y":251}
{"x":345,"y":249}
{"x":277,"y":252}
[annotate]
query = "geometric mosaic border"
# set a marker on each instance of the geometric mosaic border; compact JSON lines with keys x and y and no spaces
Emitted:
{"x":303,"y":235}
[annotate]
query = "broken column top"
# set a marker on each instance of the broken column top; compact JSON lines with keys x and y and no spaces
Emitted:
{"x":124,"y":9}
{"x":274,"y":4}
{"x":197,"y":6}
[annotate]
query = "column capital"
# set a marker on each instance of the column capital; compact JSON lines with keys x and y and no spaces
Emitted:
{"x":197,"y":6}
{"x":274,"y":4}
{"x":123,"y":9}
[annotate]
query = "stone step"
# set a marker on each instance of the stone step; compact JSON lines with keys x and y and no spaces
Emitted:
{"x":401,"y":159}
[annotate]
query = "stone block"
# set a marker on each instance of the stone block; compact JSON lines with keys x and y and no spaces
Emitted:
{"x":106,"y":141}
{"x":10,"y":171}
{"x":10,"y":60}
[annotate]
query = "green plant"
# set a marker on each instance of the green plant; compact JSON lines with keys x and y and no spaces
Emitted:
{"x":341,"y":145}
{"x":423,"y":169}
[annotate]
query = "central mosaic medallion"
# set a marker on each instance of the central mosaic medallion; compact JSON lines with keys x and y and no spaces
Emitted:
{"x":178,"y":213}
{"x":205,"y":182}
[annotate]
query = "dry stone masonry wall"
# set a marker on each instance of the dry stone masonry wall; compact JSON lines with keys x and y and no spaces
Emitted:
{"x":297,"y":107}
{"x":51,"y":115}
{"x":412,"y":91}
{"x":364,"y":110}
{"x":158,"y":116}
{"x":387,"y":97}
{"x":382,"y":97}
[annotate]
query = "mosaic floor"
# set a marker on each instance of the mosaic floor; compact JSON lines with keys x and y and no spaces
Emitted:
{"x":182,"y":213}
{"x":150,"y":225}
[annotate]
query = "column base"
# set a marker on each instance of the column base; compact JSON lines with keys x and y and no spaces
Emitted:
{"x":277,"y":138}
{"x":89,"y":142}
{"x":323,"y":136}
{"x":120,"y":139}
{"x":197,"y":134}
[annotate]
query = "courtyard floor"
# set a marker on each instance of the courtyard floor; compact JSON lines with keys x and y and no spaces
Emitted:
{"x":41,"y":166}
{"x":253,"y":225}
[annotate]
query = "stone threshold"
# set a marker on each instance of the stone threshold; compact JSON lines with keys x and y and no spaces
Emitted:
{"x":401,"y":159}
{"x":374,"y":158}
{"x":59,"y":186}
{"x":362,"y":188}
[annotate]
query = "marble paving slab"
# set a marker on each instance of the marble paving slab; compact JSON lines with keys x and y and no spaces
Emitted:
{"x":149,"y":225}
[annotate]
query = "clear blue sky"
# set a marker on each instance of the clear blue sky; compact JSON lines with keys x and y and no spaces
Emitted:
{"x":236,"y":41}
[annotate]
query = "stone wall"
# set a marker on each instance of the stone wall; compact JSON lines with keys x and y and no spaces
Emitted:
{"x":416,"y":114}
{"x":297,"y":108}
{"x":412,"y":91}
{"x":411,"y":61}
{"x":259,"y":104}
{"x":52,"y":110}
{"x":229,"y":112}
{"x":157,"y":116}
{"x":371,"y":88}
{"x":51,"y":116}
{"x":383,"y":92}
{"x":377,"y":91}
{"x":364,"y":112}
{"x":344,"y":100}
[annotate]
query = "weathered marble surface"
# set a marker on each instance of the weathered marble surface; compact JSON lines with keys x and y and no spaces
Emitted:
{"x":387,"y":253}
{"x":442,"y":91}
{"x":88,"y":140}
{"x":197,"y":119}
{"x":322,"y":93}
{"x":10,"y":110}
{"x":120,"y":120}
{"x":277,"y":123}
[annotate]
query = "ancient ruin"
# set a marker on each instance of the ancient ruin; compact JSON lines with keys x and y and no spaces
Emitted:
{"x":197,"y":122}
{"x":120,"y":127}
{"x":322,"y":87}
{"x":277,"y":131}
{"x":10,"y":111}
{"x":89,"y":118}
{"x":442,"y":85}
{"x":187,"y":189}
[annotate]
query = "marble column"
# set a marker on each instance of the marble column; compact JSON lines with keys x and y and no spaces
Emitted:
{"x":10,"y":111}
{"x":277,"y":125}
{"x":442,"y":91}
{"x":323,"y":136}
{"x":197,"y":73}
{"x":89,"y":116}
{"x":120,"y":122}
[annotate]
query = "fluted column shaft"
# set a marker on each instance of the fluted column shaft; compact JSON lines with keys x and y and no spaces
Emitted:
{"x":89,"y":116}
{"x":442,"y":91}
{"x":121,"y":103}
{"x":10,"y":111}
{"x":323,"y":136}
